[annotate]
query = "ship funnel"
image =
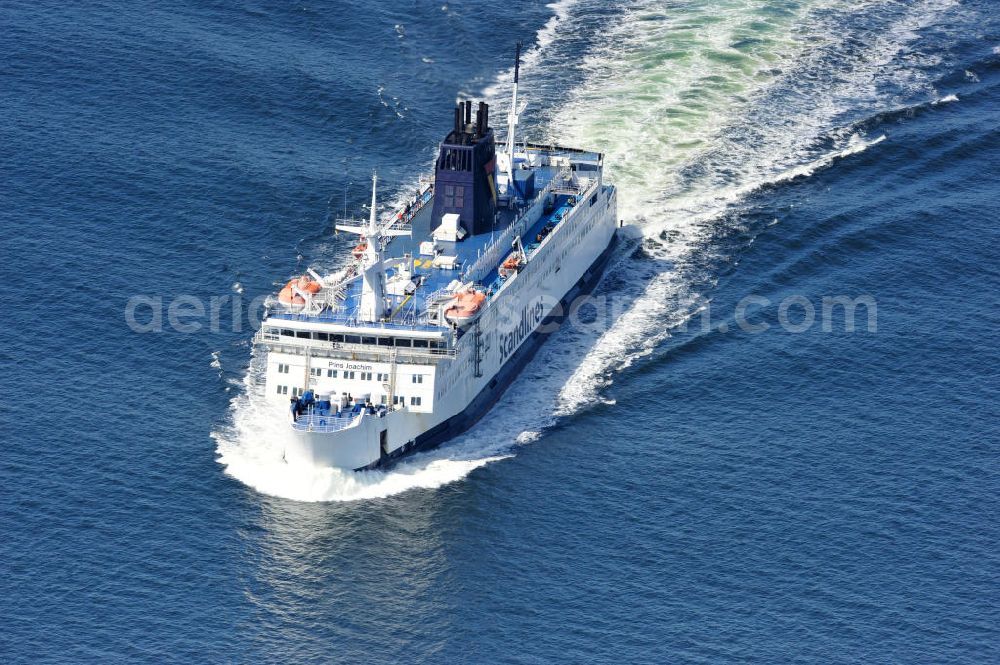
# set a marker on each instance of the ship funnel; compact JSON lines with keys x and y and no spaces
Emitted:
{"x":464,"y":180}
{"x":481,"y":119}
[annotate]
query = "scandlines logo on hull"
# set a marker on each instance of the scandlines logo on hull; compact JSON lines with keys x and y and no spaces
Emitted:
{"x":531,"y":316}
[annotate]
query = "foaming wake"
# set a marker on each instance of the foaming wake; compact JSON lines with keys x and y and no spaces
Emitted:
{"x":695,"y":112}
{"x":688,"y":140}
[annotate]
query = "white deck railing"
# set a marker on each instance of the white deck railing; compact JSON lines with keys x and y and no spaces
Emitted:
{"x":325,"y":424}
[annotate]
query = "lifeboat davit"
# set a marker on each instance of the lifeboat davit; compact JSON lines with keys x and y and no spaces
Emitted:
{"x":359,"y":249}
{"x":290,"y":297}
{"x":465,"y":307}
{"x":510,"y":265}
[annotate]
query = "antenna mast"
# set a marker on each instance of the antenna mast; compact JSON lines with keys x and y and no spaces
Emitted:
{"x":373,"y":222}
{"x":373,"y":261}
{"x":512,"y":119}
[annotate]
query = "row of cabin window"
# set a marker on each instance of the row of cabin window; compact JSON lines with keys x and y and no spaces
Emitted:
{"x":358,"y":339}
{"x":296,"y":391}
{"x":350,"y":374}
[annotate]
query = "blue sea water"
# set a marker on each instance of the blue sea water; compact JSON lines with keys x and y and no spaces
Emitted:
{"x":660,"y":485}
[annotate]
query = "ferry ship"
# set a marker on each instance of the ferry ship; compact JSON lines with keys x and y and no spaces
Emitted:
{"x":442,"y":302}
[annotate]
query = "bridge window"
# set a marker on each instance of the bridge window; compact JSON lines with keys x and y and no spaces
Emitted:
{"x":322,"y":336}
{"x":420,"y":343}
{"x":403,"y":341}
{"x":303,"y":334}
{"x":385,"y":341}
{"x":287,"y":333}
{"x":367,"y":340}
{"x":352,"y":339}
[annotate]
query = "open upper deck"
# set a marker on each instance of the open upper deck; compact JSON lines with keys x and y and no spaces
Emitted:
{"x":437,"y":263}
{"x":548,"y":182}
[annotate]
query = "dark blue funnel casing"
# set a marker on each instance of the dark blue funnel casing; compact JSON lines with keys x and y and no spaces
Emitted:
{"x":465,"y":174}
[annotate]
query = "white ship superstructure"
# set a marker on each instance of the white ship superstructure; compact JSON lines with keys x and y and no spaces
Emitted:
{"x":443,"y":301}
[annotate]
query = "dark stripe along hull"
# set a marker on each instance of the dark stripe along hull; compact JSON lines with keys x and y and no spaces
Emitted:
{"x":495,"y":389}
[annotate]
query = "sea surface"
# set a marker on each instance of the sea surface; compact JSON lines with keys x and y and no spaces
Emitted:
{"x":712,"y":467}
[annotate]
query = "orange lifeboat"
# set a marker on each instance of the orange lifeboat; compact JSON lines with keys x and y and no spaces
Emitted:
{"x":510,"y":265}
{"x":359,"y":249}
{"x":309,"y":285}
{"x":465,"y":307}
{"x":288,"y":295}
